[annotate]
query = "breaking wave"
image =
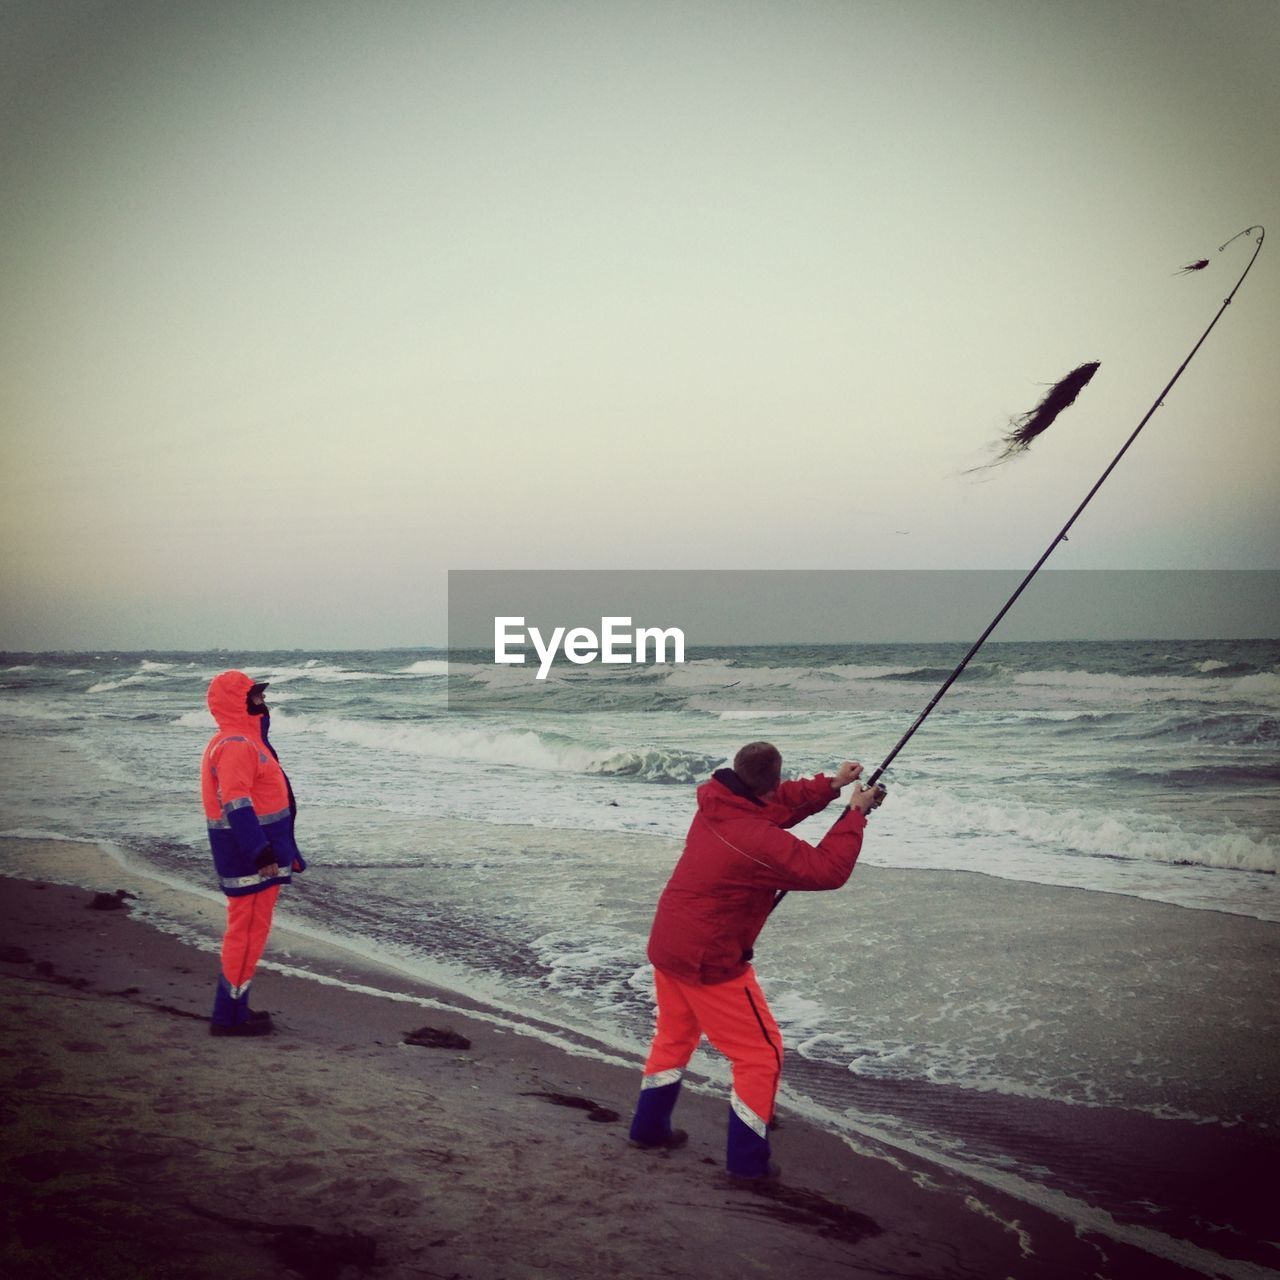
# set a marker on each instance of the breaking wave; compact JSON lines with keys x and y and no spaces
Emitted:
{"x":1101,"y":833}
{"x":523,"y":748}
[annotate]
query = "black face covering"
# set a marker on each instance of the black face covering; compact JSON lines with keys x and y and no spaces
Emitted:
{"x":258,"y":708}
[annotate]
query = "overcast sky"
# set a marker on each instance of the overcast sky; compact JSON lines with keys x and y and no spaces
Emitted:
{"x":305,"y":304}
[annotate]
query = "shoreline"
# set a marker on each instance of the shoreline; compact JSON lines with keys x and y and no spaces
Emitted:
{"x":476,"y":1163}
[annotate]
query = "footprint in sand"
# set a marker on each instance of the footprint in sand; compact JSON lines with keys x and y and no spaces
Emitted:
{"x":602,"y":1115}
{"x":83,"y":1046}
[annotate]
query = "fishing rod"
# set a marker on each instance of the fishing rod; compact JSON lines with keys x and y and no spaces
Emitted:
{"x":1061,"y":536}
{"x":1063,"y":395}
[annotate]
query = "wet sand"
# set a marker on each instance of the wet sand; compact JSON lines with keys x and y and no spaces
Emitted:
{"x":137,"y":1145}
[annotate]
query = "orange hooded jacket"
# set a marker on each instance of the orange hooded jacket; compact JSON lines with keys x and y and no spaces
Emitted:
{"x":248,"y":803}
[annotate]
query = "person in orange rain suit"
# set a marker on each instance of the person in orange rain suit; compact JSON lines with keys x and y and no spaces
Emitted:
{"x":250,"y":809}
{"x":737,"y":858}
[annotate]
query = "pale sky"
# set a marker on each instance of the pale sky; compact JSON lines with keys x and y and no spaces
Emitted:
{"x":305,"y":304}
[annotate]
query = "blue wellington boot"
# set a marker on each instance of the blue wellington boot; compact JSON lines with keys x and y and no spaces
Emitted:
{"x":747,"y":1153}
{"x":651,"y":1125}
{"x":231,"y":1016}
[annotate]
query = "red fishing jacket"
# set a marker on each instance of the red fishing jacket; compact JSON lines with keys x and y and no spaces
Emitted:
{"x":248,"y":803}
{"x":736,"y":858}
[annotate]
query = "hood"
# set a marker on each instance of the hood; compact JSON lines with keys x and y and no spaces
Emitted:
{"x":227,"y":703}
{"x":726,"y":795}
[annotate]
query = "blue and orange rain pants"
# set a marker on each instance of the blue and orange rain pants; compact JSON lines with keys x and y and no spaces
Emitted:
{"x":735,"y":1018}
{"x":248,"y":926}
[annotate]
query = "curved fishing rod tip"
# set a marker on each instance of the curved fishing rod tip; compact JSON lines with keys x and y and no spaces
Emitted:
{"x":1261,"y":230}
{"x":1200,"y":263}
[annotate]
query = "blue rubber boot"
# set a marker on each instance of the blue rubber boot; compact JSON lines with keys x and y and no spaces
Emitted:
{"x":651,"y":1125}
{"x":747,"y":1154}
{"x":231,"y":1015}
{"x":229,"y":1009}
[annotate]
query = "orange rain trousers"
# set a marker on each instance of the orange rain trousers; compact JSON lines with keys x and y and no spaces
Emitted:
{"x":735,"y":1017}
{"x":248,"y":924}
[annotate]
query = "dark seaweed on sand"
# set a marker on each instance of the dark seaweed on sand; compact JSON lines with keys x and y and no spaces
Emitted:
{"x":1027,"y":426}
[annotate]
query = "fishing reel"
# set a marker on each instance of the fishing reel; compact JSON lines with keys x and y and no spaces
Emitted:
{"x":879,"y":790}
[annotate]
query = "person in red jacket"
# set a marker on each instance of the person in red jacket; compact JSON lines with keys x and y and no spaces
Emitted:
{"x":738,"y":857}
{"x":249,"y":808}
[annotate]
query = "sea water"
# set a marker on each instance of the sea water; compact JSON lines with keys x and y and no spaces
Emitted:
{"x":452,"y":818}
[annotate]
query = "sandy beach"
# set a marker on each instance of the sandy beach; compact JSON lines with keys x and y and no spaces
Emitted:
{"x":136,"y":1145}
